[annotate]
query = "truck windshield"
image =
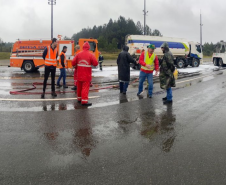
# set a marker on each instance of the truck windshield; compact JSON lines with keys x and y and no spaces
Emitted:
{"x":198,"y":48}
{"x":92,"y":46}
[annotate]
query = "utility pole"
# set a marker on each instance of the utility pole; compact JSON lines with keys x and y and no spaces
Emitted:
{"x":52,"y":2}
{"x":201,"y":25}
{"x":145,"y":14}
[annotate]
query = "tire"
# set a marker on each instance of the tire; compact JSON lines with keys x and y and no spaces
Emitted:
{"x":195,"y":63}
{"x":36,"y":69}
{"x":180,"y":63}
{"x":28,"y":66}
{"x":221,"y":62}
{"x":215,"y":62}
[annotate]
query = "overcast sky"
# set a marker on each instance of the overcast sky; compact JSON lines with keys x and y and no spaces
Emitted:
{"x":30,"y":19}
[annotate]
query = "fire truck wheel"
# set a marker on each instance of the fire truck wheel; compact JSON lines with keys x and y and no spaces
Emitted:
{"x":28,"y":66}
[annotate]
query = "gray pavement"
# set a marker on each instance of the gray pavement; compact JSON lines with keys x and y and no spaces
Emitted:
{"x":124,"y":140}
{"x":4,"y":62}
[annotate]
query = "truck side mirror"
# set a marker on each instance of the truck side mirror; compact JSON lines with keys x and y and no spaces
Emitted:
{"x":95,"y":46}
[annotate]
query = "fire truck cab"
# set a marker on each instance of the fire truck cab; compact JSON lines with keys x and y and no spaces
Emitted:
{"x":27,"y":54}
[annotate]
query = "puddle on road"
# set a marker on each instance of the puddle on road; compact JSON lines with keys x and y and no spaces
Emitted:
{"x":162,"y":123}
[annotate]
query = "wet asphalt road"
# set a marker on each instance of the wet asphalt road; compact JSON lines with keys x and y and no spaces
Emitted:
{"x":123,"y":140}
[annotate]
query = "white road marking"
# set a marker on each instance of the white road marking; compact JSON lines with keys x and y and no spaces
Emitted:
{"x":39,"y":100}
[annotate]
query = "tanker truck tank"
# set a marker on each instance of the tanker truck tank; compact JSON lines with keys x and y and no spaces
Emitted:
{"x":185,"y":53}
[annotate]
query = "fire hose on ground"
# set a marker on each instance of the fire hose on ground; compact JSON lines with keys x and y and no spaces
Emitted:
{"x":35,"y":84}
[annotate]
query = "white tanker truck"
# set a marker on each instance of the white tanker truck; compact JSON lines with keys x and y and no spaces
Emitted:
{"x":185,"y":53}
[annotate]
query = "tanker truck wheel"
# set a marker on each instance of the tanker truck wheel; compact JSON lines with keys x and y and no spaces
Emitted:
{"x":195,"y":63}
{"x":221,"y":62}
{"x":180,"y":63}
{"x":215,"y":62}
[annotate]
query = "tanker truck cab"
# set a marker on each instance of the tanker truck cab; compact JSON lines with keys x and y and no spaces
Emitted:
{"x":195,"y":56}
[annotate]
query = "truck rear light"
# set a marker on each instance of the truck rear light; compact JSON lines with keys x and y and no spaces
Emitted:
{"x":72,"y":41}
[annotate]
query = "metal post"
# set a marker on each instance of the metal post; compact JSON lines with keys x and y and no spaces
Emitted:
{"x":145,"y":14}
{"x":52,"y":2}
{"x":201,"y":25}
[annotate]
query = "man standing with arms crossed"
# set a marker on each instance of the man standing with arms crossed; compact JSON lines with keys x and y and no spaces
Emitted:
{"x":50,"y":55}
{"x":83,"y":62}
{"x":149,"y":62}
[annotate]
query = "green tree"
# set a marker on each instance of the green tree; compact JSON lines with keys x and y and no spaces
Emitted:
{"x":112,"y":35}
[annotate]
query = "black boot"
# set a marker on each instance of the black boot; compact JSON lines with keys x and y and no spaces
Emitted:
{"x":168,"y":102}
{"x":58,"y":86}
{"x":74,"y":88}
{"x":164,"y":99}
{"x":65,"y":87}
{"x":87,"y":104}
{"x":43,"y":95}
{"x":54,"y":94}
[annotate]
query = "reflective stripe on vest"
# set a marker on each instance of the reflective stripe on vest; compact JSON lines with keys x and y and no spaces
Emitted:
{"x":150,"y":61}
{"x":50,"y":59}
{"x":65,"y":61}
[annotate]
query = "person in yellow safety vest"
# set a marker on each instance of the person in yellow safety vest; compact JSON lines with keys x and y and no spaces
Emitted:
{"x":149,"y":62}
{"x":63,"y":67}
{"x":50,"y":55}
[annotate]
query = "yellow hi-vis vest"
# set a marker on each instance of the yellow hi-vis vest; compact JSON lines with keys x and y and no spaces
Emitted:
{"x":149,"y":61}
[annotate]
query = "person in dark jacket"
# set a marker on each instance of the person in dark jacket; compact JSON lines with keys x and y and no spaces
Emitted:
{"x":101,"y":60}
{"x":123,"y":62}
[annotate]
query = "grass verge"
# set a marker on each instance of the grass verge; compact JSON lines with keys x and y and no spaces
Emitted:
{"x":4,"y":55}
{"x":110,"y":55}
